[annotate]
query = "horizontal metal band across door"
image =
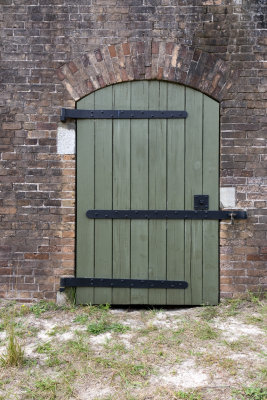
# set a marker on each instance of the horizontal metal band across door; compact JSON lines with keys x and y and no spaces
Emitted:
{"x":121,"y":283}
{"x":120,"y":114}
{"x":165,"y":214}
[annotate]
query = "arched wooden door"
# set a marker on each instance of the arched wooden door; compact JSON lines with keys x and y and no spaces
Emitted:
{"x":148,"y":164}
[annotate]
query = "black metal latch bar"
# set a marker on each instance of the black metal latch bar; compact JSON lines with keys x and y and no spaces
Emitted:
{"x":120,"y":114}
{"x":165,"y":214}
{"x":121,"y":283}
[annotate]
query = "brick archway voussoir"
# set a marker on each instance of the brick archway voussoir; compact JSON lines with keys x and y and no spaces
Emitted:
{"x":146,"y":60}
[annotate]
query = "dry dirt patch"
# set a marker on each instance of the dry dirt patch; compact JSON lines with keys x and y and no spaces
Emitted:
{"x":100,"y":353}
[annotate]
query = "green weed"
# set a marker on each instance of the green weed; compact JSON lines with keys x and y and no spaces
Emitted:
{"x":96,"y":328}
{"x":77,"y":346}
{"x":44,"y":389}
{"x":46,"y":384}
{"x":233,"y":307}
{"x":58,"y":329}
{"x":251,"y":393}
{"x":53,"y":361}
{"x":14,"y":353}
{"x":238,"y":345}
{"x":148,"y":329}
{"x":42,"y":306}
{"x":44,"y":348}
{"x":32,"y":331}
{"x":101,"y":308}
{"x":256,"y":298}
{"x":252,"y":319}
{"x":190,"y":395}
{"x":209,"y":312}
{"x":263,"y":373}
{"x":117,"y":348}
{"x":52,"y":354}
{"x":81,"y":319}
{"x":71,"y":295}
{"x":124,"y":369}
{"x":204,"y":331}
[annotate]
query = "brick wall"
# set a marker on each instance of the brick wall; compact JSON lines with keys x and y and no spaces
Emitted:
{"x":42,"y":45}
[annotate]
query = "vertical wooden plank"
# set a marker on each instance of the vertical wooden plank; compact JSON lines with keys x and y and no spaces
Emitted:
{"x":139,"y":191}
{"x":175,"y":192}
{"x":85,"y":201}
{"x":193,"y":185}
{"x":121,"y":192}
{"x":157,"y":190}
{"x":103,"y":195}
{"x":211,"y":187}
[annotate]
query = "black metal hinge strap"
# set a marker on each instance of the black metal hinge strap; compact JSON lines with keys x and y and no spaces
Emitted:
{"x":120,"y":114}
{"x":165,"y":214}
{"x":121,"y":283}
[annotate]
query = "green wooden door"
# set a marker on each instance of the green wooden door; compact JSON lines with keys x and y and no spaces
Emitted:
{"x":148,"y":164}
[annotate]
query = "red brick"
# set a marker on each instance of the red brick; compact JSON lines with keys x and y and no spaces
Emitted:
{"x":60,"y":75}
{"x":98,"y":55}
{"x":11,"y":125}
{"x":155,"y":48}
{"x":36,"y":256}
{"x":160,"y":73}
{"x":73,"y":67}
{"x":112,"y":51}
{"x":169,"y":48}
{"x":126,"y":49}
{"x":257,"y":257}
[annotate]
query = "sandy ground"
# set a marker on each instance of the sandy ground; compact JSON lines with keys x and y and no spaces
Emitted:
{"x":101,"y":353}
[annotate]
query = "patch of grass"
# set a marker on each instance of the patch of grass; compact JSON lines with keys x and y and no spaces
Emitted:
{"x":217,"y":360}
{"x":252,"y":319}
{"x":7,"y":310}
{"x":43,"y":389}
{"x":251,"y":393}
{"x":71,"y":295}
{"x":189,"y":395}
{"x":228,"y":364}
{"x":53,"y":361}
{"x":46,"y":384}
{"x":209,"y":312}
{"x":23,"y":310}
{"x":256,"y":298}
{"x":44,"y":348}
{"x":52,"y":354}
{"x":125,"y":370}
{"x":179,"y":331}
{"x":14,"y":356}
{"x":204,"y":331}
{"x":148,"y":329}
{"x":4,"y":382}
{"x":42,"y":306}
{"x":20,"y":329}
{"x":32,"y":331}
{"x":101,"y":308}
{"x":96,"y":328}
{"x":58,"y":329}
{"x":154,"y":311}
{"x":117,"y":348}
{"x":81,"y":319}
{"x":232,"y":307}
{"x":238,"y":345}
{"x":263,"y":373}
{"x":77,"y":346}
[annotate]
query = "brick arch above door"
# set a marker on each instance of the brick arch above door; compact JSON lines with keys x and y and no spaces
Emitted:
{"x":147,"y":60}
